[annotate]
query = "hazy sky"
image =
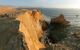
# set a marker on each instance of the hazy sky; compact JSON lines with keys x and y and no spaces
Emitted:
{"x":43,"y":3}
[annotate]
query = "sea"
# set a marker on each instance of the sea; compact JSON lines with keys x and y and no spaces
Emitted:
{"x":73,"y":31}
{"x":72,"y":15}
{"x":72,"y":41}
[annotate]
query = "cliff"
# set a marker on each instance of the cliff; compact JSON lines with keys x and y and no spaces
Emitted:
{"x":20,"y":30}
{"x":10,"y":37}
{"x":23,"y":30}
{"x":6,"y":9}
{"x":31,"y":29}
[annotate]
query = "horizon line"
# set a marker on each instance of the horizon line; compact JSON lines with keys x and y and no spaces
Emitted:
{"x":39,"y":7}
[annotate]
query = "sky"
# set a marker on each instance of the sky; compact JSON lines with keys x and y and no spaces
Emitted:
{"x":43,"y":3}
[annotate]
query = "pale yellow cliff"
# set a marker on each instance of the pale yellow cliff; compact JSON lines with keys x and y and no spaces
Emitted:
{"x":31,"y":29}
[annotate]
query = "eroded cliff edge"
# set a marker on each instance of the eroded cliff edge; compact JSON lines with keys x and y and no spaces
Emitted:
{"x":31,"y":28}
{"x":20,"y":29}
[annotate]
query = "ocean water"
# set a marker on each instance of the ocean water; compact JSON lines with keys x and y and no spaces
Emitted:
{"x":72,"y":15}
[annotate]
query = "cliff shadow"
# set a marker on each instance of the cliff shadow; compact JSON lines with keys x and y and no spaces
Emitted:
{"x":10,"y":37}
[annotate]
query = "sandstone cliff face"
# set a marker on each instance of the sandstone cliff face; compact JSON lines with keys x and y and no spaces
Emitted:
{"x":31,"y":29}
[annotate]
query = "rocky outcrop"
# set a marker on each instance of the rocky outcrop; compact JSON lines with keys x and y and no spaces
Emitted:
{"x":10,"y":37}
{"x":76,"y":35}
{"x":25,"y":34}
{"x":31,"y":28}
{"x":6,"y":9}
{"x":8,"y":12}
{"x":59,"y":20}
{"x":57,"y":29}
{"x":44,"y":24}
{"x":22,"y":33}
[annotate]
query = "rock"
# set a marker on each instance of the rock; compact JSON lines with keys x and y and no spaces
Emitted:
{"x":10,"y":37}
{"x":8,"y":12}
{"x":47,"y":48}
{"x":56,"y":47}
{"x":7,"y":9}
{"x":31,"y":29}
{"x":76,"y":35}
{"x":56,"y":36}
{"x":44,"y":24}
{"x":57,"y":29}
{"x":59,"y":20}
{"x":26,"y":24}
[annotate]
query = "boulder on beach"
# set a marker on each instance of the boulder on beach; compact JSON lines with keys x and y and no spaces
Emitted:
{"x":59,"y":20}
